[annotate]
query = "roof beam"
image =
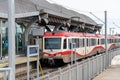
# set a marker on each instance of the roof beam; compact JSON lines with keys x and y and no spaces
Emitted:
{"x":3,"y":15}
{"x":28,"y":14}
{"x":21,"y":15}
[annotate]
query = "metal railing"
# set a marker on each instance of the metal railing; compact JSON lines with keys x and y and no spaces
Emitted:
{"x":83,"y":70}
{"x":5,"y":71}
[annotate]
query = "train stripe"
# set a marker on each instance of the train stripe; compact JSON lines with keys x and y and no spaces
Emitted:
{"x":68,"y":52}
{"x":71,"y":51}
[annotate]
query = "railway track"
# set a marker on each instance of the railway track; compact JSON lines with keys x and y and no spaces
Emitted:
{"x":33,"y":73}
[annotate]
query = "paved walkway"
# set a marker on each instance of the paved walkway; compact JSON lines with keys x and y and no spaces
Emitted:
{"x":112,"y":73}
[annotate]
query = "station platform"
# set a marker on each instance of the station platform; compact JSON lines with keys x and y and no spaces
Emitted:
{"x":19,"y":60}
{"x":21,"y":64}
{"x":112,"y":72}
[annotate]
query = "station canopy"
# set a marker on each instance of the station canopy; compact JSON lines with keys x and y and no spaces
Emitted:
{"x":26,"y":10}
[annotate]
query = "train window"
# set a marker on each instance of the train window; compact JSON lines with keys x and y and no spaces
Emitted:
{"x":111,"y":40}
{"x":87,"y":42}
{"x":81,"y":42}
{"x":119,"y":40}
{"x":102,"y":41}
{"x":69,"y":41}
{"x":77,"y":43}
{"x":64,"y":44}
{"x":93,"y":42}
{"x":108,"y":40}
{"x":115,"y":40}
{"x":52,"y":43}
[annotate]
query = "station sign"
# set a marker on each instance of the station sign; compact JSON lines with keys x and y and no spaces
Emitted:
{"x":32,"y":50}
{"x":38,"y":32}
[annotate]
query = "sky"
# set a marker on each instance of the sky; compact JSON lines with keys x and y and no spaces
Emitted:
{"x":97,"y":7}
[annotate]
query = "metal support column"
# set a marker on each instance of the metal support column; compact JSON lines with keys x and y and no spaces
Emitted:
{"x":106,"y":32}
{"x":106,"y":49}
{"x":11,"y":38}
{"x":1,"y":55}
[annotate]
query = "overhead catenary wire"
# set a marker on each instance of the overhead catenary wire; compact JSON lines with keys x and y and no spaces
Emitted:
{"x":97,"y":17}
{"x":84,"y":12}
{"x":91,"y":13}
{"x":116,"y":25}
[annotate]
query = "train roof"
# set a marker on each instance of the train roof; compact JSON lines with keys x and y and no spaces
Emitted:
{"x":100,"y":35}
{"x":66,"y":34}
{"x":77,"y":34}
{"x":90,"y":35}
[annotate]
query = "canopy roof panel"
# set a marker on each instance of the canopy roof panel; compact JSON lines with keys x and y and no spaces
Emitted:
{"x":25,"y":8}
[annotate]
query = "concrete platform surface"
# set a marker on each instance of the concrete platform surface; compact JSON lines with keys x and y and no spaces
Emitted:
{"x":112,"y":73}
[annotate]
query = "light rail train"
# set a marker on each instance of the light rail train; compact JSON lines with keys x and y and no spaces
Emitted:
{"x":57,"y":45}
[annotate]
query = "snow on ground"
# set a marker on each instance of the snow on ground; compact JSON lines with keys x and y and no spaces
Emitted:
{"x":116,"y":60}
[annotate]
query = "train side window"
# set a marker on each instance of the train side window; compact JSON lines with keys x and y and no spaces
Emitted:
{"x":102,"y":41}
{"x":93,"y":42}
{"x":108,"y":40}
{"x":77,"y":43}
{"x":81,"y":42}
{"x":64,"y":44}
{"x":112,"y":40}
{"x":87,"y":42}
{"x":69,"y":41}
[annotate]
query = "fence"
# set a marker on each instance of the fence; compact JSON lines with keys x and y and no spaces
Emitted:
{"x":6,"y":71}
{"x":83,"y":70}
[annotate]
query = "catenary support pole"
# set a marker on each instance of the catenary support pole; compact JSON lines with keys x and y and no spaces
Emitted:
{"x":106,"y":50}
{"x":11,"y":38}
{"x":106,"y":31}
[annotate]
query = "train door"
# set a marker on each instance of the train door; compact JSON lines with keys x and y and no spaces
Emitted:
{"x":87,"y":49}
{"x":82,"y":48}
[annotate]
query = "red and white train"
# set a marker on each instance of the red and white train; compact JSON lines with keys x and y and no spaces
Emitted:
{"x":57,"y":46}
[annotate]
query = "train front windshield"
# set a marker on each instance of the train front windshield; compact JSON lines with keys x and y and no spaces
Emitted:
{"x":52,"y":43}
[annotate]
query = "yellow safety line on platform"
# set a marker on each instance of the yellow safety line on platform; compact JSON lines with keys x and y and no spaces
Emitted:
{"x":5,"y":63}
{"x":25,"y":60}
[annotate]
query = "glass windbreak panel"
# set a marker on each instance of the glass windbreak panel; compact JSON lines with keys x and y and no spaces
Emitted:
{"x":52,"y":43}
